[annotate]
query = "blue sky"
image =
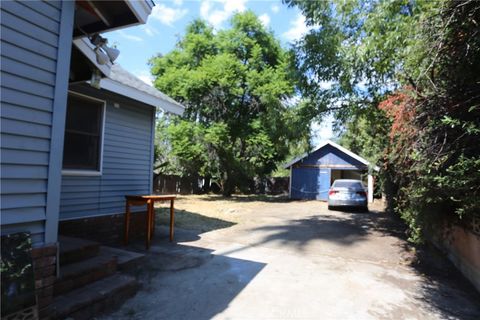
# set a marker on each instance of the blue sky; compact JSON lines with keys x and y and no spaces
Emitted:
{"x":169,"y":19}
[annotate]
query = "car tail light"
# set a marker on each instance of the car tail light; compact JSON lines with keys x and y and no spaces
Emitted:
{"x":362,"y":193}
{"x":332,"y":192}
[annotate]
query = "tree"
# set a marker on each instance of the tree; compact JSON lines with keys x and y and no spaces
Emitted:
{"x":438,"y":177}
{"x":235,"y":84}
{"x":356,"y":53}
{"x":361,"y":49}
{"x":415,"y":65}
{"x":164,"y":161}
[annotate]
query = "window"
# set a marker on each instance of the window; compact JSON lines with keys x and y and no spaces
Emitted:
{"x":348,"y":184}
{"x":83,"y":134}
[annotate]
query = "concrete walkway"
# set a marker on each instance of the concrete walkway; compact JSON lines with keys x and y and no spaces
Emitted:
{"x":297,"y":260}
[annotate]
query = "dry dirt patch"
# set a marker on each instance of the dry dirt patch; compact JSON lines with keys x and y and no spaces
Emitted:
{"x":210,"y":212}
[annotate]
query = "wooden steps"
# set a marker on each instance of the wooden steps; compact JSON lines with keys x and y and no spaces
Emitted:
{"x":90,"y":281}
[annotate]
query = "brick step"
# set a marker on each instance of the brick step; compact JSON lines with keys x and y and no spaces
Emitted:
{"x":74,"y":250}
{"x":98,"y":297}
{"x":79,"y":274}
{"x":126,"y":260}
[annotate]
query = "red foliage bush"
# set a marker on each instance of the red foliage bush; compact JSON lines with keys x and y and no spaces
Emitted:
{"x":400,"y":108}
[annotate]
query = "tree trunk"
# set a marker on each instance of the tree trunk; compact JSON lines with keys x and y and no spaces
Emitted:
{"x":228,"y":186}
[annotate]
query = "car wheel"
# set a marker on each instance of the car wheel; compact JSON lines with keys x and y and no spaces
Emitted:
{"x":365,"y":209}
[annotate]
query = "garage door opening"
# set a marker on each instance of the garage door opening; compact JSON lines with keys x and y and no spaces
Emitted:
{"x":348,"y":174}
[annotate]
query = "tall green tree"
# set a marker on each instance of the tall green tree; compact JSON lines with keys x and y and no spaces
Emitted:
{"x":356,"y":53}
{"x":415,"y":66}
{"x":235,"y":84}
{"x":362,"y":49}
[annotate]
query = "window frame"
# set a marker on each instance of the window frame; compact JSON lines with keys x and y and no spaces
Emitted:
{"x":103,"y":111}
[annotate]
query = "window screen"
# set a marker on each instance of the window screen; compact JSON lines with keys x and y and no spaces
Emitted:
{"x":83,"y":132}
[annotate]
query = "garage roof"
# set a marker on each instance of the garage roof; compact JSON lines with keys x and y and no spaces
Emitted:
{"x":337,"y":146}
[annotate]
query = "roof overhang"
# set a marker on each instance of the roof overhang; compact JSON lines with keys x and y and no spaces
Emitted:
{"x":337,"y":146}
{"x":86,"y":48}
{"x":138,"y":95}
{"x":141,"y":9}
{"x":96,"y":16}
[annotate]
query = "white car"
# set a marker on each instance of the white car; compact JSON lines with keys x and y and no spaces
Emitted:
{"x":347,"y":193}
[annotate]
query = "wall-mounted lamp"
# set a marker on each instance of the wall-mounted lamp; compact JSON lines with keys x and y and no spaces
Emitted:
{"x":102,"y":51}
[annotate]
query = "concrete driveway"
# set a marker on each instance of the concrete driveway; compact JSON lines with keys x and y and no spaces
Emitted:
{"x":297,"y":260}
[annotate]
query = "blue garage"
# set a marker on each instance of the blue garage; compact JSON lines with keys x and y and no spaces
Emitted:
{"x":312,"y":174}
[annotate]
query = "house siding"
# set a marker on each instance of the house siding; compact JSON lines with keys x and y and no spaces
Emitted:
{"x":126,"y":163}
{"x":310,"y":183}
{"x":34,"y":43}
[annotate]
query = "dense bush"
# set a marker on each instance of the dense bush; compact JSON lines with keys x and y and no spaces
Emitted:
{"x":433,"y":157}
{"x":404,"y":85}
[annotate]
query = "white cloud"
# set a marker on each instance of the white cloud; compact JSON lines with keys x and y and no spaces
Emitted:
{"x":167,"y":15}
{"x":217,"y":16}
{"x":129,"y":36}
{"x":149,"y":30}
{"x":275,"y":8}
{"x":265,"y":19}
{"x":178,"y":2}
{"x":298,"y":28}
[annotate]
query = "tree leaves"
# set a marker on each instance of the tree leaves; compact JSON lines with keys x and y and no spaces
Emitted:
{"x":234,"y":84}
{"x":421,"y":59}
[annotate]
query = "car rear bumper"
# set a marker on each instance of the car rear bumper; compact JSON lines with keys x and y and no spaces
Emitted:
{"x":347,"y":203}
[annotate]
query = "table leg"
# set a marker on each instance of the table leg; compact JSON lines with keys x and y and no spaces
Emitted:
{"x":153,"y":218}
{"x":149,"y":224}
{"x":127,"y":221}
{"x":172,"y":220}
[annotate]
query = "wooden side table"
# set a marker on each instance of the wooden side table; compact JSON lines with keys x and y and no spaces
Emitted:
{"x":149,"y":200}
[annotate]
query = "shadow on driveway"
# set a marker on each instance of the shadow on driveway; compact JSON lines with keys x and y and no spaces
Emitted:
{"x":300,"y":232}
{"x":442,"y":287}
{"x":342,"y":228}
{"x":185,"y":282}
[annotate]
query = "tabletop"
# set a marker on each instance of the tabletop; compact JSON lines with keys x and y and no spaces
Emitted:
{"x":151,"y":197}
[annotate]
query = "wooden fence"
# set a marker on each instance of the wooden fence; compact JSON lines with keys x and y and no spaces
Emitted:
{"x":166,"y":184}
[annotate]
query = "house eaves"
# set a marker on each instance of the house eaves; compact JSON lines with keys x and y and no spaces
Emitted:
{"x":98,"y":16}
{"x":93,"y":16}
{"x":126,"y":84}
{"x":86,"y":47}
{"x":141,"y":9}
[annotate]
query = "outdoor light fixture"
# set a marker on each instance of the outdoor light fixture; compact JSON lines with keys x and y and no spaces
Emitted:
{"x":103,"y":52}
